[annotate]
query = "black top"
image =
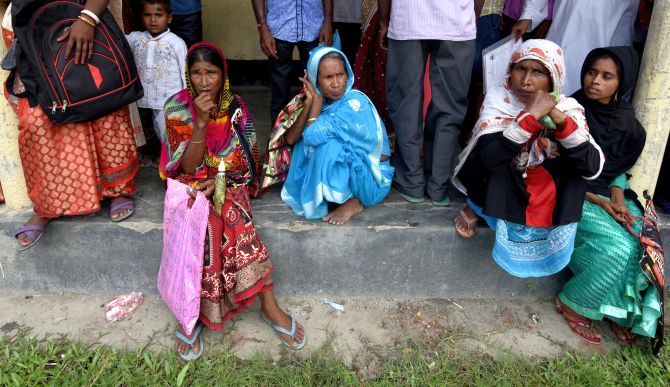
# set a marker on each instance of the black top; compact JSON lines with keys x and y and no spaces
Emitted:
{"x":494,"y":183}
{"x":614,"y":126}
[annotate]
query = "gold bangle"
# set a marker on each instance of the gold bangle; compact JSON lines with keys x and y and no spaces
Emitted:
{"x":85,"y":20}
{"x":310,"y":120}
{"x":197,"y":142}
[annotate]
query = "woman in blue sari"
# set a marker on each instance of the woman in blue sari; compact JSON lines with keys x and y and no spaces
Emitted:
{"x":341,"y":150}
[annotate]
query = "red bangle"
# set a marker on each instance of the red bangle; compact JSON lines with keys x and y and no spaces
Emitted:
{"x":259,"y":25}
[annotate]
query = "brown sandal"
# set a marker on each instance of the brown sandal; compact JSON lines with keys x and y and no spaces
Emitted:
{"x":620,"y":331}
{"x":471,"y":224}
{"x":574,"y":320}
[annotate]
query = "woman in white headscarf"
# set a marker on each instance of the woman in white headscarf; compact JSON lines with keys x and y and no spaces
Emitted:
{"x":526,"y":180}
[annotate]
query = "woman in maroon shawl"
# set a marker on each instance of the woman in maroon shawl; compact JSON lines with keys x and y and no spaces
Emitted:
{"x":370,"y":66}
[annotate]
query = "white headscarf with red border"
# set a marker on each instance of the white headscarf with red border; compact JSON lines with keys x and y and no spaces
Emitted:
{"x":501,"y":107}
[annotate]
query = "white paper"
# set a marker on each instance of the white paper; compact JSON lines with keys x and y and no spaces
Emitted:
{"x":495,"y":60}
{"x":334,"y":305}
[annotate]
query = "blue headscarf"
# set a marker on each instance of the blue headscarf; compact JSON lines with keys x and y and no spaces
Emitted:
{"x":315,"y":57}
{"x":339,"y":155}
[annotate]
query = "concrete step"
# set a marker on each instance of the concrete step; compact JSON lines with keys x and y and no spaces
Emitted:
{"x":395,"y":249}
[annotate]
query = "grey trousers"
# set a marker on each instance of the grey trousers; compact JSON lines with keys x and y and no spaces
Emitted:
{"x":450,"y":70}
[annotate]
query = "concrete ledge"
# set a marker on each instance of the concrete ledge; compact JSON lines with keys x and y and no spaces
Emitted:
{"x":395,"y":249}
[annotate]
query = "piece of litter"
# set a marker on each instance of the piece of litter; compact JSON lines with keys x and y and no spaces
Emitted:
{"x":2,"y":271}
{"x":431,"y":365}
{"x":335,"y":305}
{"x":123,"y":306}
{"x":535,"y":319}
{"x":454,"y":303}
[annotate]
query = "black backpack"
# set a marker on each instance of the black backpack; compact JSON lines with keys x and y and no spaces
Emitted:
{"x":65,"y":91}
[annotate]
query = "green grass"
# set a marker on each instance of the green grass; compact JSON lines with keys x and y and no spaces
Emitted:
{"x":59,"y":361}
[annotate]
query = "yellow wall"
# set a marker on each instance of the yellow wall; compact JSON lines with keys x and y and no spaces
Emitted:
{"x":11,"y":171}
{"x":232,"y":25}
{"x":652,"y":99}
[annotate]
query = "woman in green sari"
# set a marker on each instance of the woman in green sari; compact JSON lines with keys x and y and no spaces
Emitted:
{"x":608,"y":283}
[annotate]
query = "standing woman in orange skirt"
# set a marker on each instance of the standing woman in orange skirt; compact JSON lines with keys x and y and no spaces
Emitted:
{"x":71,"y":168}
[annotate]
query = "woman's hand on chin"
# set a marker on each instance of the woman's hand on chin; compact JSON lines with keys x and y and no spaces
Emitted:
{"x":207,"y":188}
{"x":540,"y":104}
{"x":204,"y":107}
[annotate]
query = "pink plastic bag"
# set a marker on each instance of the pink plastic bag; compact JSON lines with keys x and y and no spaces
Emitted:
{"x":123,"y":306}
{"x":180,"y":274}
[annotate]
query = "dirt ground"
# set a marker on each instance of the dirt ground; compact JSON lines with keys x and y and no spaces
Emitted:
{"x":530,"y":328}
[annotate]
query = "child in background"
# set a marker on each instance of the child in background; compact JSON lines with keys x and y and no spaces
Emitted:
{"x":160,"y":56}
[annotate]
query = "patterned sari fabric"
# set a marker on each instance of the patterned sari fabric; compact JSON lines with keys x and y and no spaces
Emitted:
{"x":278,"y":156}
{"x":236,"y":264}
{"x":607,"y":279}
{"x":70,"y":168}
{"x":525,"y":251}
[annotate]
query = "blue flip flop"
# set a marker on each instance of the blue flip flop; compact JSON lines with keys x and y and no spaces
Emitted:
{"x":279,"y":330}
{"x":31,"y":232}
{"x":190,"y":355}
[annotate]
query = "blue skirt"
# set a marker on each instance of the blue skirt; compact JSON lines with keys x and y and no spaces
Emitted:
{"x":527,"y":251}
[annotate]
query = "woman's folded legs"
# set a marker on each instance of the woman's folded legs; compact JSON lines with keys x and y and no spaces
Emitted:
{"x":366,"y":191}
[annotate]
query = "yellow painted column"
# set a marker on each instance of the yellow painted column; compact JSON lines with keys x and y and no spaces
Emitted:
{"x":652,"y":99}
{"x":11,"y":171}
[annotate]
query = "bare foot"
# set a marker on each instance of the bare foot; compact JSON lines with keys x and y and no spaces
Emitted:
{"x":344,"y":212}
{"x":24,"y":240}
{"x":273,"y":312}
{"x":183,"y":347}
{"x":122,"y":209}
